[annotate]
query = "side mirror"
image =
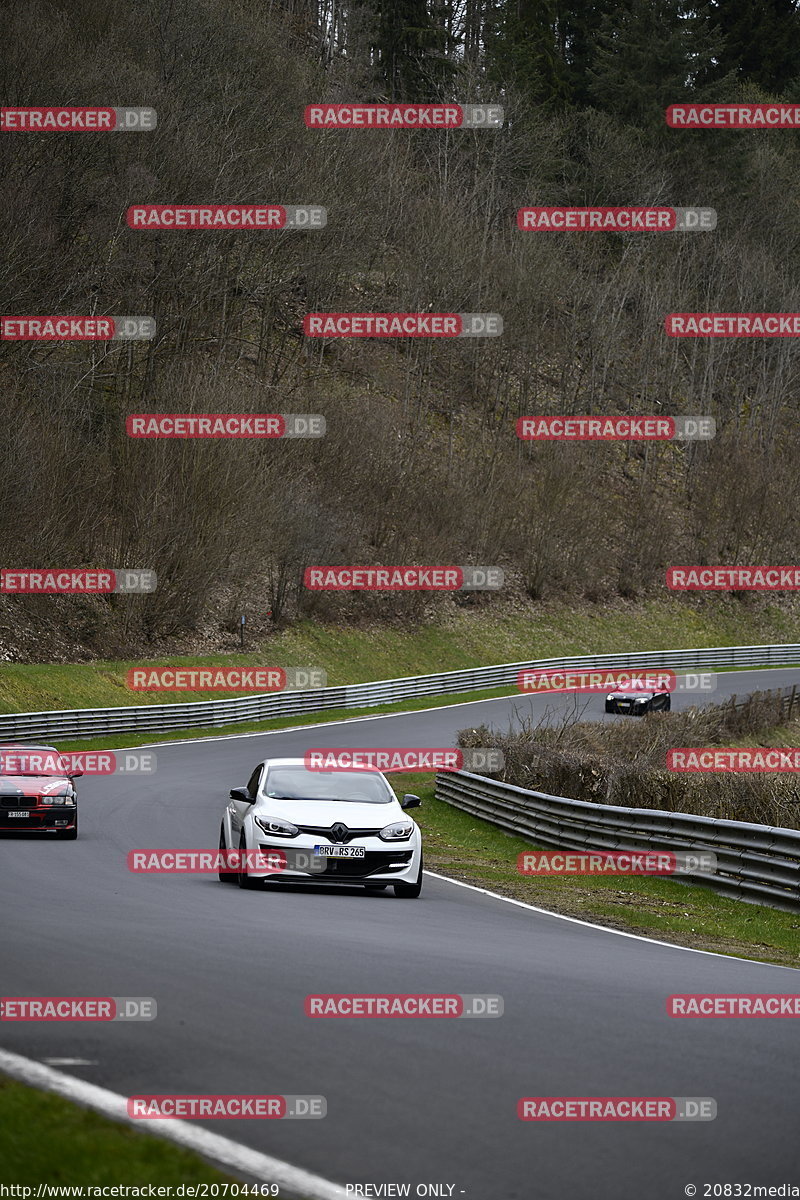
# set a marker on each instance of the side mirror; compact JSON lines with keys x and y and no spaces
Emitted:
{"x":410,"y":801}
{"x":75,"y":774}
{"x":241,"y":794}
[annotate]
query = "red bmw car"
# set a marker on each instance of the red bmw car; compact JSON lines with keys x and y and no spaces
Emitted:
{"x":37,"y":792}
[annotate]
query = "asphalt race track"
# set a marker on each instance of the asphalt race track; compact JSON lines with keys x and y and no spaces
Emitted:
{"x":409,"y":1101}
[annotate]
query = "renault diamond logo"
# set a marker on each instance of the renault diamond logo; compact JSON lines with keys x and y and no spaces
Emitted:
{"x":340,"y":832}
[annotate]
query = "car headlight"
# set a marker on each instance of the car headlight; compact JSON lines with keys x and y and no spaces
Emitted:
{"x":609,"y":697}
{"x":640,"y":700}
{"x":275,"y":827}
{"x":400,"y":831}
{"x":61,"y":800}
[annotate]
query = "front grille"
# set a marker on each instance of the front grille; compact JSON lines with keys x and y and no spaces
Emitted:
{"x":326,"y":832}
{"x":7,"y":801}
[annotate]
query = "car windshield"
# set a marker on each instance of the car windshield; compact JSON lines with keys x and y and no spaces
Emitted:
{"x":31,"y":760}
{"x":298,"y":783}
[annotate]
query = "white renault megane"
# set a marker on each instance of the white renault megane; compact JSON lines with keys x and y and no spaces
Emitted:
{"x":329,"y":827}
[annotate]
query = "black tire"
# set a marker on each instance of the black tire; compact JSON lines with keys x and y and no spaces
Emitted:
{"x":242,"y":878}
{"x":668,"y":704}
{"x":409,"y":891}
{"x":225,"y":876}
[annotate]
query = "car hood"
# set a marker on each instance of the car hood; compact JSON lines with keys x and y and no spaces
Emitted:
{"x":631,"y":695}
{"x":326,"y":812}
{"x":34,"y":785}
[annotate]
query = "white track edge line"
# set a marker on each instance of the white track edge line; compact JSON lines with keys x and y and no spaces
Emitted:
{"x":638,"y":937}
{"x":299,"y":1183}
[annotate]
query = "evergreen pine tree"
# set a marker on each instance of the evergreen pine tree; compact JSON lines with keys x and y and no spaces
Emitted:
{"x":522,"y":49}
{"x":579,"y":23}
{"x":411,"y":44}
{"x":762,"y":41}
{"x":652,"y":53}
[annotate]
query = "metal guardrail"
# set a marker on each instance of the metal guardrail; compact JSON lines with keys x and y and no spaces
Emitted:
{"x":759,"y":863}
{"x":139,"y":718}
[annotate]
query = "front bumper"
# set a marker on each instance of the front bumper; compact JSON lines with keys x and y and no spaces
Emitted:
{"x":42,"y":819}
{"x":383,"y":863}
{"x":626,"y":708}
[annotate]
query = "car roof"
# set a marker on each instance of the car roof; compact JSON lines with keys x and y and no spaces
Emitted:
{"x":301,"y":762}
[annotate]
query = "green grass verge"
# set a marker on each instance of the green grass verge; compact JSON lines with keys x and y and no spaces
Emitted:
{"x":469,"y":638}
{"x":474,"y":851}
{"x":47,"y":1139}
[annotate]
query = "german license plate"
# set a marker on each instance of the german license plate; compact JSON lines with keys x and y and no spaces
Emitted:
{"x":18,"y":814}
{"x":340,"y":851}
